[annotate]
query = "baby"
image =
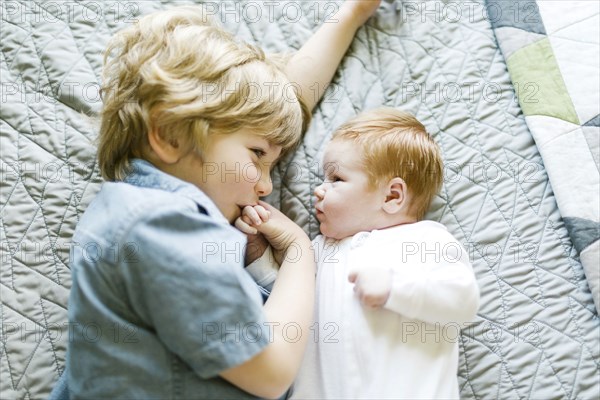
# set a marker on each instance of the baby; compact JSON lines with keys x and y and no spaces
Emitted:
{"x":393,"y":290}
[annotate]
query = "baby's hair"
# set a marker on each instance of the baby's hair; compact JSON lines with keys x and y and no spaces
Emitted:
{"x":395,"y":144}
{"x":179,"y":72}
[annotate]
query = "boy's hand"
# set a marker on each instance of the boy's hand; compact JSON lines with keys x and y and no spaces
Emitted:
{"x":313,"y":66}
{"x":360,"y":10}
{"x":372,"y":285}
{"x":277,"y":229}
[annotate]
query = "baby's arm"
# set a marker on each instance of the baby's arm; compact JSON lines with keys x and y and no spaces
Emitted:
{"x":314,"y":65}
{"x":444,"y":291}
{"x":290,"y":303}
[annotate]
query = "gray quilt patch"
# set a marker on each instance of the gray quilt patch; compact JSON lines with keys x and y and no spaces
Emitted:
{"x":524,"y":15}
{"x":583,"y":232}
{"x":594,"y":121}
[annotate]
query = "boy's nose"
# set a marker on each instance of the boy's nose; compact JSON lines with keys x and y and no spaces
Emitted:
{"x":264,"y":186}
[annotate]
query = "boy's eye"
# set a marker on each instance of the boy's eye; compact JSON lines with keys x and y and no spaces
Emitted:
{"x":260,"y":153}
{"x":336,"y":178}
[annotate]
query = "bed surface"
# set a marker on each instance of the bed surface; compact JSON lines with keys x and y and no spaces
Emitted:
{"x":537,"y":331}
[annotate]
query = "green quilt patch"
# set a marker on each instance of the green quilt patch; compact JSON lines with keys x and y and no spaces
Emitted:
{"x":539,"y":84}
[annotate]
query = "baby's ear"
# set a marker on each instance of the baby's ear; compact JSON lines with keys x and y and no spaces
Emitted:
{"x":396,"y":196}
{"x":167,"y":149}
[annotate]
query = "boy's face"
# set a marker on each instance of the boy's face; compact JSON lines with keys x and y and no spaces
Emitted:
{"x":234,"y":170}
{"x":345,"y":203}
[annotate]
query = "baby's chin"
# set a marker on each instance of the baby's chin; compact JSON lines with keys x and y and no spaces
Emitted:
{"x":334,"y":235}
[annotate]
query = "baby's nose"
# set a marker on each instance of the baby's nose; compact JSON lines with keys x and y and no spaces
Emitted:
{"x":320,"y":191}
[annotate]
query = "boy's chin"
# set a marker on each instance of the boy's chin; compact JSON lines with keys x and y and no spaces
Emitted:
{"x":235,"y":215}
{"x":232,"y":214}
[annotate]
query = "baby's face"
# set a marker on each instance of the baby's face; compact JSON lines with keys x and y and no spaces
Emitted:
{"x":345,"y":204}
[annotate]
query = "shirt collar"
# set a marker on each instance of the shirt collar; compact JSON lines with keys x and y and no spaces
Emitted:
{"x":144,"y":174}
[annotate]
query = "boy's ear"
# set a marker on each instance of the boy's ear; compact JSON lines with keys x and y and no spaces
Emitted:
{"x":396,"y":196}
{"x":167,"y":150}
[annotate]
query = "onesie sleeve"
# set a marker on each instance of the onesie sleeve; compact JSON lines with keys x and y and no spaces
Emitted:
{"x":264,"y":269}
{"x":187,"y":283}
{"x":440,"y":288}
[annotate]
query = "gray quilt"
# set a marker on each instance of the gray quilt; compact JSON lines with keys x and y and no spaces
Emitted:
{"x":537,"y":332}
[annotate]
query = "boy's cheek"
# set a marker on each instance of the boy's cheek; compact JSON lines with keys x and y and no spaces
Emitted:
{"x":249,"y":174}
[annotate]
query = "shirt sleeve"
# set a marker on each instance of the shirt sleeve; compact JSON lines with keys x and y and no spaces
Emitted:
{"x":188,"y":284}
{"x":440,"y":290}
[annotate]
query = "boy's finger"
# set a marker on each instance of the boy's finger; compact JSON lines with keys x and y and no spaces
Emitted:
{"x":266,"y":205}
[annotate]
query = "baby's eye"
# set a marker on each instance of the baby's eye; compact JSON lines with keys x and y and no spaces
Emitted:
{"x":260,"y":153}
{"x":336,"y":178}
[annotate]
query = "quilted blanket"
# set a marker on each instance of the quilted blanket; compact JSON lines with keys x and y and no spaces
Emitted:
{"x":552,"y":49}
{"x":537,"y":332}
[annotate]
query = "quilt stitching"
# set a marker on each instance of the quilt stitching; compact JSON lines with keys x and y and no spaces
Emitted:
{"x":372,"y":54}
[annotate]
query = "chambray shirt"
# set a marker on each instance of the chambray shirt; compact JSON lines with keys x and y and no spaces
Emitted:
{"x":160,"y":302}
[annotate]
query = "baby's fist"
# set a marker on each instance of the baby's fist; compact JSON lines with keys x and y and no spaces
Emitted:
{"x":251,"y":218}
{"x":372,"y":285}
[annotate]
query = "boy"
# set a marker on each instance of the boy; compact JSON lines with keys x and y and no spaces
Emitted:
{"x":393,"y":290}
{"x":161,"y":306}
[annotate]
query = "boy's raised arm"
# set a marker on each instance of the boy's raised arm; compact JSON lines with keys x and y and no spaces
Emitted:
{"x":314,"y":65}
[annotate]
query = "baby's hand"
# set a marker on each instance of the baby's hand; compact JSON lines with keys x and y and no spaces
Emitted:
{"x":372,"y":285}
{"x":257,"y":244}
{"x":279,"y":230}
{"x":251,"y":218}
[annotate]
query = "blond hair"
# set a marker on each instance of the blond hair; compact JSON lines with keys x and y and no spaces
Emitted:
{"x":395,"y":144}
{"x":179,"y":72}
